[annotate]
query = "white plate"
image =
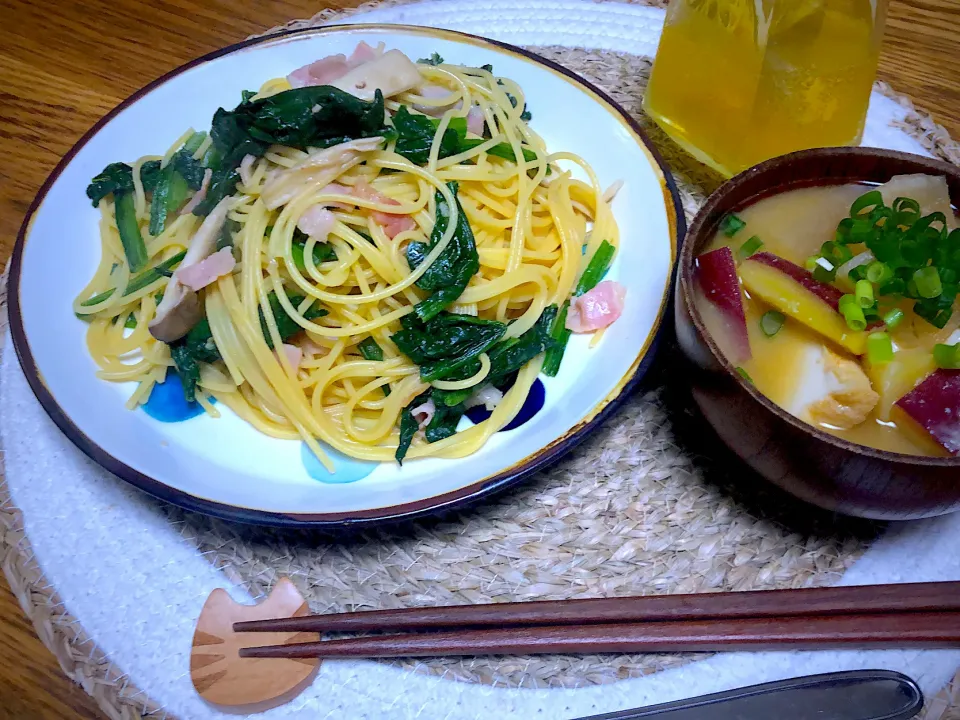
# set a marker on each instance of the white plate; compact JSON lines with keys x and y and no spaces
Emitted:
{"x":226,"y":468}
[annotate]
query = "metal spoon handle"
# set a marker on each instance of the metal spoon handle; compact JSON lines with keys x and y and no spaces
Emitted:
{"x":854,"y":695}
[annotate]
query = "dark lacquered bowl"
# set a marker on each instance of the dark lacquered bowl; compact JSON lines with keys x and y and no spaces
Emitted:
{"x":811,"y":464}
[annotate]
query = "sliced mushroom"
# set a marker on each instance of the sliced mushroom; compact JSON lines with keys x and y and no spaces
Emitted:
{"x":180,"y":309}
{"x":392,"y":73}
{"x":318,"y":168}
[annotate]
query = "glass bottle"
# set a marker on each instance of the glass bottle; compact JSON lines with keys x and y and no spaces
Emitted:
{"x":736,"y":82}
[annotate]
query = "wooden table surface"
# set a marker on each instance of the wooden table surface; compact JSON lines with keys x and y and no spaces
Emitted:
{"x":64,"y":64}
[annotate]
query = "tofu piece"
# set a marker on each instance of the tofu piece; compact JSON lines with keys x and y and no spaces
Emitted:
{"x":831,"y":390}
{"x":930,"y":191}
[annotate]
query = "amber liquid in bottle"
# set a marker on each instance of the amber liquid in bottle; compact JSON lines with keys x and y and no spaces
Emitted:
{"x":736,"y":82}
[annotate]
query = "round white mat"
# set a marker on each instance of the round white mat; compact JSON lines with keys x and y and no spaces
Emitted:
{"x":136,"y":586}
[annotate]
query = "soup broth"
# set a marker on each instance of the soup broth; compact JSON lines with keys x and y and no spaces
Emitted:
{"x":798,"y":350}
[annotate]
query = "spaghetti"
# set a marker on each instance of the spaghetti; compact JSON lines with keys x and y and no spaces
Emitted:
{"x":345,"y":277}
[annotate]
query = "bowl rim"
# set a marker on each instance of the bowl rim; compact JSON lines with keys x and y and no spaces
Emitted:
{"x":718,"y":203}
{"x":389,"y":514}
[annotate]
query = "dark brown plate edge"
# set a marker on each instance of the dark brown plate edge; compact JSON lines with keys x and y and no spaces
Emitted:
{"x":702,"y":223}
{"x":460,"y":498}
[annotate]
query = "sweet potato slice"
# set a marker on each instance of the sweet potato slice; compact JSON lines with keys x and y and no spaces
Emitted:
{"x":934,"y":405}
{"x":796,"y":293}
{"x":715,"y":276}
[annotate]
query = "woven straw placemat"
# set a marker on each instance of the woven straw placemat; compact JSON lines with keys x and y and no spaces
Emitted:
{"x":635,"y":509}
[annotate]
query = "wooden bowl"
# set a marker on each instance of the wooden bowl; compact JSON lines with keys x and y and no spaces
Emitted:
{"x":809,"y":463}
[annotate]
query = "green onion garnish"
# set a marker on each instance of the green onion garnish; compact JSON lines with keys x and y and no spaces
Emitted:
{"x":864,"y":293}
{"x":745,"y":375}
{"x":879,"y":273}
{"x":811,"y":263}
{"x":836,"y":253}
{"x":824,"y":271}
{"x":857,"y":273}
{"x":893,"y":318}
{"x":750,"y":247}
{"x":731,"y":224}
{"x":928,"y":282}
{"x":771,"y":322}
{"x":947,"y":356}
{"x":865,"y":203}
{"x":879,"y":348}
{"x":852,"y":312}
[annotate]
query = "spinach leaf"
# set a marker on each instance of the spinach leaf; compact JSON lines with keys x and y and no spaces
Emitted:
{"x":322,"y":252}
{"x":450,"y":273}
{"x":308,"y":116}
{"x":509,"y":356}
{"x":286,"y":325}
{"x":138,"y":282}
{"x":222,"y":184}
{"x":188,"y":352}
{"x":168,"y":196}
{"x":409,"y":426}
{"x":592,"y":274}
{"x":149,"y":175}
{"x":199,"y":341}
{"x":187,"y":368}
{"x":194,"y":142}
{"x":444,"y":421}
{"x":447,"y":345}
{"x":503,"y":150}
{"x":118,"y":178}
{"x":303,"y":117}
{"x":225,"y":239}
{"x":191,"y":170}
{"x":451,"y":397}
{"x":370,"y":350}
{"x":415,"y":137}
{"x":134,"y":247}
{"x":434,"y":59}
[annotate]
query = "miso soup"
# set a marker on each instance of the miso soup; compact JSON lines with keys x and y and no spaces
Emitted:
{"x":839,"y":304}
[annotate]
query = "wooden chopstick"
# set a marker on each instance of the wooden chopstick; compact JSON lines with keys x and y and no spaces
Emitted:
{"x":910,"y":629}
{"x":865,"y":599}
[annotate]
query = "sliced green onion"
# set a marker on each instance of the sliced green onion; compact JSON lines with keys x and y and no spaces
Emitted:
{"x":750,"y":247}
{"x":879,"y":348}
{"x":811,"y":263}
{"x":879,"y":273}
{"x":906,"y":205}
{"x":932,"y":313}
{"x":893,"y":318}
{"x":825,"y":271}
{"x":947,"y":356}
{"x":857,"y":273}
{"x":731,"y":224}
{"x":867,"y":202}
{"x":836,"y":253}
{"x":771,"y":322}
{"x":928,"y":282}
{"x":852,"y":312}
{"x":864,"y":293}
{"x":745,"y":375}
